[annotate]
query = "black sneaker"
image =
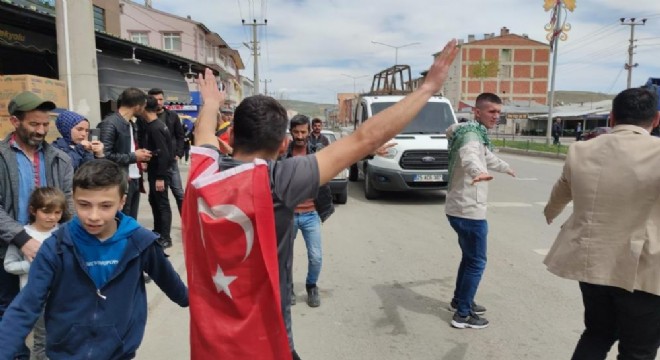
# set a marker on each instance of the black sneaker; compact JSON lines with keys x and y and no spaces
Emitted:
{"x":477,"y":309}
{"x":313,"y":299}
{"x":472,"y":321}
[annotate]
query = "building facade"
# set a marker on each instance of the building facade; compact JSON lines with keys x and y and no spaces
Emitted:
{"x":185,"y":37}
{"x":510,"y":65}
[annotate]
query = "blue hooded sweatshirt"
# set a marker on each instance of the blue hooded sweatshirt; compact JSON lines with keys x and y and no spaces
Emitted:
{"x":83,"y":320}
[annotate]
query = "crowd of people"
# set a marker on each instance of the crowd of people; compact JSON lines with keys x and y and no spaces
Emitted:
{"x":76,"y":259}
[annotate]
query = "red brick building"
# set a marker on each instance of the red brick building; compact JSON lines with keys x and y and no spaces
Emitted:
{"x":512,"y":66}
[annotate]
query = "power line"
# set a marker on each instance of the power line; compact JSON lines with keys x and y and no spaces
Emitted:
{"x":614,"y":82}
{"x":589,"y":38}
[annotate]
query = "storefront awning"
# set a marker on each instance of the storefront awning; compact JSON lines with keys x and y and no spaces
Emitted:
{"x":117,"y":74}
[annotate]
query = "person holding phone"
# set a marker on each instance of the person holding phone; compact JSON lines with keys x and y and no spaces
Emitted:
{"x":77,"y":140}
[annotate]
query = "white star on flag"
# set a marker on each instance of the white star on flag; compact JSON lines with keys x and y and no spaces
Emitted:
{"x":222,"y":282}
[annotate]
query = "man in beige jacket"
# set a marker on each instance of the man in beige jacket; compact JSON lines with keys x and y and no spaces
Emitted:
{"x":470,"y":158}
{"x":611,"y":241}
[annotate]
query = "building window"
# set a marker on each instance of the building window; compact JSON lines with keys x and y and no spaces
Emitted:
{"x":172,"y":41}
{"x":505,"y":71}
{"x":99,"y":18}
{"x":140,"y":37}
{"x":505,"y":56}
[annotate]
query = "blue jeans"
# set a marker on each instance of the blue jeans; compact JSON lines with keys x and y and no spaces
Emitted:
{"x":472,"y":236}
{"x":309,"y":224}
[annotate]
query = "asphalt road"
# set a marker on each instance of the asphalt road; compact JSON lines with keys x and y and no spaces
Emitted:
{"x":388,"y":275}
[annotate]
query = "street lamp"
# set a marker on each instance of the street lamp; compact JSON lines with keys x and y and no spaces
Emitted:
{"x":396,"y":49}
{"x":354,"y":78}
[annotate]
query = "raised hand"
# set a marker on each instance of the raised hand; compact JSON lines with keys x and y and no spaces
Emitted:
{"x":208,"y":88}
{"x":437,"y":74}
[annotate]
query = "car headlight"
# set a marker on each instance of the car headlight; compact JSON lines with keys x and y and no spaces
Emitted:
{"x":342,"y":175}
{"x":391,"y":153}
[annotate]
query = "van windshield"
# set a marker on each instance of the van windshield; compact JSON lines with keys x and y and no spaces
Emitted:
{"x":434,"y":118}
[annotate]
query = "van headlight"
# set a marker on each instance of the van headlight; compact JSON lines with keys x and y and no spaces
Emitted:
{"x":391,"y":153}
{"x":342,"y":175}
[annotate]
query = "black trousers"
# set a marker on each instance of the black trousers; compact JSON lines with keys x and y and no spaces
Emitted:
{"x":132,"y":205}
{"x":160,"y":208}
{"x":612,"y":314}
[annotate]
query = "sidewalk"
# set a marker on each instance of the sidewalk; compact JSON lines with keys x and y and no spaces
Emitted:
{"x":145,"y":218}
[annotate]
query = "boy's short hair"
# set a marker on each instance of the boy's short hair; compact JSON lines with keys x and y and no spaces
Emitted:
{"x":100,"y":174}
{"x":259,"y":124}
{"x":47,"y":199}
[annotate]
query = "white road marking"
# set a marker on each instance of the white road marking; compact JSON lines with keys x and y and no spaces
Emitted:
{"x":508,"y":204}
{"x":526,"y":179}
{"x":543,"y":252}
{"x":544,"y":203}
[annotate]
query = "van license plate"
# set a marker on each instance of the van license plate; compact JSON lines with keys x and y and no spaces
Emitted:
{"x":429,"y":178}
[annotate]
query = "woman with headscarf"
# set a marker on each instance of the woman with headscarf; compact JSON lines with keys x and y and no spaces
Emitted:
{"x":74,"y":129}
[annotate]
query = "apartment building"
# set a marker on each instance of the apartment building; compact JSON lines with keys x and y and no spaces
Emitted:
{"x":185,"y":37}
{"x":513,"y":66}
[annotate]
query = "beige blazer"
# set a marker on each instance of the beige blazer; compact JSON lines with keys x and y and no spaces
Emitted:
{"x":612,"y":237}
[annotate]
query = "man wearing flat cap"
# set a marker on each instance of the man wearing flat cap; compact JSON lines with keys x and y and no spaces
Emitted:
{"x":27,"y":162}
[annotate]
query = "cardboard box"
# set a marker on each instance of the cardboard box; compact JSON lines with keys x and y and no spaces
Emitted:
{"x":48,"y":89}
{"x":6,"y":128}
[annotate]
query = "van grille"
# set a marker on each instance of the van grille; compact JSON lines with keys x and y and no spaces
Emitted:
{"x":425,"y":160}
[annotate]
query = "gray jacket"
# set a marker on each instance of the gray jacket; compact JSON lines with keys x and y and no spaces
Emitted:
{"x":59,"y":174}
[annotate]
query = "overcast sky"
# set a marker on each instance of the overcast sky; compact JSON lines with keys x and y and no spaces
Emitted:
{"x":308,"y":45}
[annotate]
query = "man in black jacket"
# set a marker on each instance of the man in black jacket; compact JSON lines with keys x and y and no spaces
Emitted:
{"x":119,"y":138}
{"x":309,"y":215}
{"x":157,"y":139}
{"x":177,"y":135}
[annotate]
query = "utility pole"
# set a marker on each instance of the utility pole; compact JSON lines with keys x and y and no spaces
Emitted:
{"x":76,"y":57}
{"x":266,"y":81}
{"x":630,"y":65}
{"x":254,"y":46}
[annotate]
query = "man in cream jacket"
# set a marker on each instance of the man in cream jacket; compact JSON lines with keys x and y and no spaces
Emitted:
{"x":611,"y":241}
{"x":470,"y":158}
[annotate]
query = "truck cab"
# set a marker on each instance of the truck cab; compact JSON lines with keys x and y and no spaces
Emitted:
{"x":420,"y":160}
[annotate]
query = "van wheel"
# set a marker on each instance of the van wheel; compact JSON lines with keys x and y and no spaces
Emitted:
{"x":369,"y":192}
{"x":353,"y":173}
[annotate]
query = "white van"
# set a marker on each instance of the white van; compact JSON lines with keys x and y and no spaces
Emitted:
{"x":419,"y":161}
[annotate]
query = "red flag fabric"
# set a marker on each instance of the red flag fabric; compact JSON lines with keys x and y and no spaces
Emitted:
{"x":231,"y":258}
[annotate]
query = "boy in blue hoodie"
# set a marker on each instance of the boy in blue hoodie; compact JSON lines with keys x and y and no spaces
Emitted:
{"x":88,"y":275}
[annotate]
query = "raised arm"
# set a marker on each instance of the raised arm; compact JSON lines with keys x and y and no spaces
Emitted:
{"x":213,"y":99}
{"x":387,"y":123}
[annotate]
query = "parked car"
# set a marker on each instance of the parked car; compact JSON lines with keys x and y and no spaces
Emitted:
{"x":590,"y":134}
{"x":338,"y":185}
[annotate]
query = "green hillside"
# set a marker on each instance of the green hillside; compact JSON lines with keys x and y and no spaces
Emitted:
{"x":307,"y":108}
{"x":573,"y":97}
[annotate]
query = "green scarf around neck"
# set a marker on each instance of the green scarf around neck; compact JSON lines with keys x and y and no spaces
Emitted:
{"x":464,"y":133}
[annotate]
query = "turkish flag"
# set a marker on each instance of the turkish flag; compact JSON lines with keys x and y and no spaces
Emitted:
{"x":231,"y":258}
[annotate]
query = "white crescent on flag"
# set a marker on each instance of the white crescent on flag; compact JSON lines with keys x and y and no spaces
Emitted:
{"x":234,"y":214}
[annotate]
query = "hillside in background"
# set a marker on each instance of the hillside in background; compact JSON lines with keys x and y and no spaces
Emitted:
{"x":573,"y":97}
{"x":561,"y":97}
{"x":306,"y":108}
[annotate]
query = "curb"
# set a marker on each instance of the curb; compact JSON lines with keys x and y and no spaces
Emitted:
{"x":532,"y":153}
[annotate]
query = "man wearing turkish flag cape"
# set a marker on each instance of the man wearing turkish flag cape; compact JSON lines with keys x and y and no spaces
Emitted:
{"x":238,"y":215}
{"x":230,"y":234}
